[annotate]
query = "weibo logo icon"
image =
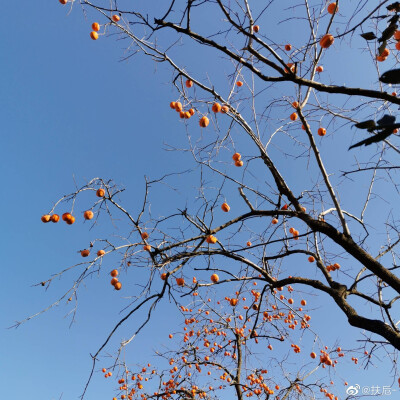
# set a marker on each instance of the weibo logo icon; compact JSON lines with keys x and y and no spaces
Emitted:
{"x":353,"y":390}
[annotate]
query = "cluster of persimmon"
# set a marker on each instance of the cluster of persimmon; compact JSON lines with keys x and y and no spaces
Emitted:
{"x":296,"y":348}
{"x":216,"y":108}
{"x":204,"y":121}
{"x":68,"y":217}
{"x":333,"y":267}
{"x":295,"y":233}
{"x":177,"y":106}
{"x":96,"y":27}
{"x":237,"y":158}
{"x":207,"y":345}
{"x":107,"y":374}
{"x":145,"y":236}
{"x":114,"y":280}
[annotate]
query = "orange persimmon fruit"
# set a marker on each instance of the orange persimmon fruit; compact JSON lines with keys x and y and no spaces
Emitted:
{"x":88,"y":214}
{"x":100,"y":192}
{"x":225,"y":207}
{"x":45,"y":218}
{"x":85,"y":253}
{"x":216,"y":107}
{"x":55,"y":218}
{"x":326,"y":41}
{"x":94,"y":35}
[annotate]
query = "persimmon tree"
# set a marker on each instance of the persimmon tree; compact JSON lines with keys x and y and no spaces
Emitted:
{"x":307,"y":224}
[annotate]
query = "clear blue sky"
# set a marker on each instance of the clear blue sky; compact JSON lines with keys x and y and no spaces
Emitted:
{"x":70,"y":109}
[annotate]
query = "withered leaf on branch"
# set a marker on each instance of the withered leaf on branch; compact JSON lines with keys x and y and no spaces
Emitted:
{"x":394,"y":19}
{"x":368,"y":35}
{"x":394,"y":6}
{"x":391,"y":76}
{"x":374,"y":139}
{"x":388,"y":33}
{"x":366,"y":124}
{"x":385,"y":128}
{"x":386,"y":121}
{"x":382,"y":47}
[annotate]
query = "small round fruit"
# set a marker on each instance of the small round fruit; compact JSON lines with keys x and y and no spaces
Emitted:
{"x":233,"y":302}
{"x":180,"y":281}
{"x":319,"y":69}
{"x":274,"y":221}
{"x":147,"y":247}
{"x":311,"y":259}
{"x":114,"y":281}
{"x":100,"y":192}
{"x":172,"y":105}
{"x":70,"y":220}
{"x":224,"y":109}
{"x":216,"y":107}
{"x":66,"y":216}
{"x":256,"y":28}
{"x":239,"y":163}
{"x":115,"y":18}
{"x":94,"y":35}
{"x":236,"y":157}
{"x":326,"y":41}
{"x":118,"y":286}
{"x":204,"y":121}
{"x":163,"y":276}
{"x":63,"y":1}
{"x":248,"y":244}
{"x":88,"y":214}
{"x":189,"y":83}
{"x":85,"y":253}
{"x":101,"y":253}
{"x":45,"y":218}
{"x":114,"y":273}
{"x":191,"y":111}
{"x":288,"y":47}
{"x":55,"y":218}
{"x":144,"y":235}
{"x":96,"y":26}
{"x":178,"y":106}
{"x":293,"y":116}
{"x":225,"y":207}
{"x":214,"y":278}
{"x":211,"y":239}
{"x":239,"y":83}
{"x":321,"y":132}
{"x":332,"y":9}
